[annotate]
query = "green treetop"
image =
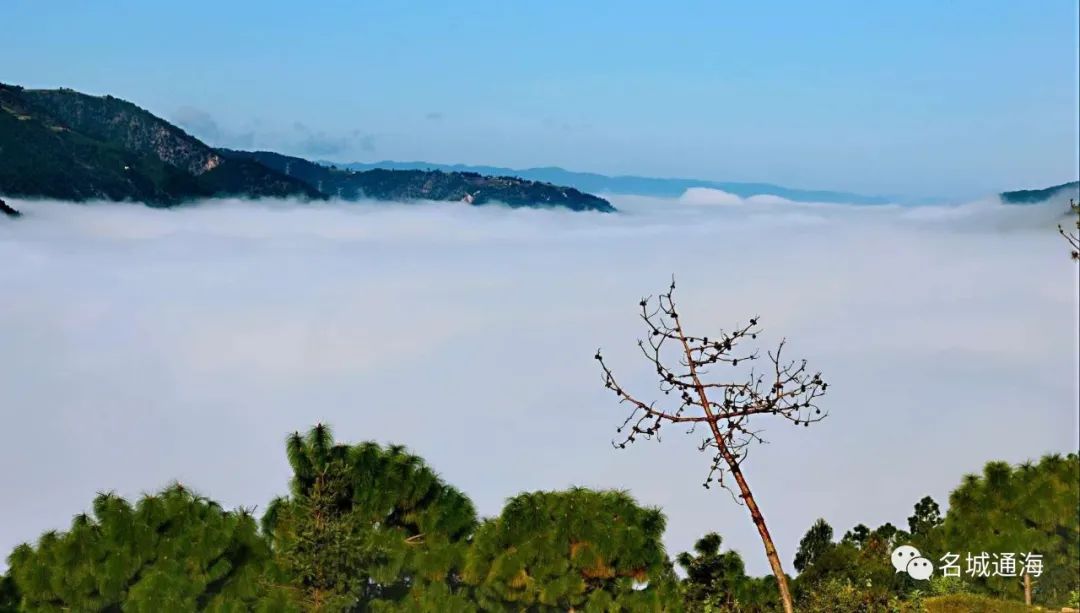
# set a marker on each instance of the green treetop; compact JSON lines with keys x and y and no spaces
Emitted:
{"x":1028,"y":509}
{"x":716,"y":580}
{"x":571,"y":550}
{"x":368,"y":528}
{"x":173,"y":551}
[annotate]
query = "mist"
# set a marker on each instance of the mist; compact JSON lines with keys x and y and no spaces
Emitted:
{"x":140,"y":346}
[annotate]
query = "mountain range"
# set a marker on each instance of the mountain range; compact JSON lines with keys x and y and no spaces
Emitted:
{"x":404,"y":185}
{"x":626,"y":184}
{"x":672,"y":188}
{"x":67,"y":145}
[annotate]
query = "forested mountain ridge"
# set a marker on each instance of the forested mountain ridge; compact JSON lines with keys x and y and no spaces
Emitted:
{"x":628,"y":184}
{"x":71,"y":146}
{"x":406,"y":185}
{"x":67,"y":145}
{"x":1033,"y":196}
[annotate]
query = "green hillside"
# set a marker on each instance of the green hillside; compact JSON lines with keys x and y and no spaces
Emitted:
{"x":66,"y":145}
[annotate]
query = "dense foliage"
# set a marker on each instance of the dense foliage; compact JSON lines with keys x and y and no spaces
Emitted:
{"x":573,"y":550}
{"x":717,"y":581}
{"x":1031,"y":508}
{"x":368,"y":527}
{"x":372,"y":528}
{"x":170,"y":551}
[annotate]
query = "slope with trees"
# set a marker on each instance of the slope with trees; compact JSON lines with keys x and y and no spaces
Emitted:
{"x":66,"y":145}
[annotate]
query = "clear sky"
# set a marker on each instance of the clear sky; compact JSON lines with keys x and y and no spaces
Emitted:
{"x":906,"y":98}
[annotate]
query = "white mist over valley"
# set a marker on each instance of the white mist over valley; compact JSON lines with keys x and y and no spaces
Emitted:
{"x":142,"y":346}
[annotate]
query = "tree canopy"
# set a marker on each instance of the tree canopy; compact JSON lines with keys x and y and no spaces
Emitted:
{"x":1033,"y":508}
{"x":572,"y":550}
{"x":716,"y":580}
{"x":367,"y":526}
{"x":172,"y":551}
{"x":816,"y":541}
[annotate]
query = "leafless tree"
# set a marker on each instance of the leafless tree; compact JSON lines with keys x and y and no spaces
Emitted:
{"x":782,"y":389}
{"x":1073,"y":237}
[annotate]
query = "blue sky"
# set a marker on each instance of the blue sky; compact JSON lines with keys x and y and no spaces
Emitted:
{"x":915,"y":98}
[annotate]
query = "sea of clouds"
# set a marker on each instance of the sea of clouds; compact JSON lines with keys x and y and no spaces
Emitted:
{"x":140,"y":346}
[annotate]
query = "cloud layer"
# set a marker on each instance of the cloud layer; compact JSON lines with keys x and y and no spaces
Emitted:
{"x":139,"y":346}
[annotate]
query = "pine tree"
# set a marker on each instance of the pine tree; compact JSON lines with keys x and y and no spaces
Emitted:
{"x":717,"y":581}
{"x":173,"y":551}
{"x":9,"y":595}
{"x":858,"y":565}
{"x":573,"y":550}
{"x":1028,"y":509}
{"x":816,"y":541}
{"x":368,"y":528}
{"x":926,"y":517}
{"x":857,"y":536}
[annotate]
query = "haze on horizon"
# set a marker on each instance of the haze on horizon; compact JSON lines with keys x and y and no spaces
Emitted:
{"x":915,"y":99}
{"x":145,"y":345}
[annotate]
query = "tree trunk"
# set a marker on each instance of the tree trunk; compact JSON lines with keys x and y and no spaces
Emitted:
{"x":733,"y":466}
{"x":1027,"y":589}
{"x":751,"y":504}
{"x":763,"y":530}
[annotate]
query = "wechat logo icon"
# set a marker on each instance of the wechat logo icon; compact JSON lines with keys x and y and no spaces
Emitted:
{"x":907,"y":559}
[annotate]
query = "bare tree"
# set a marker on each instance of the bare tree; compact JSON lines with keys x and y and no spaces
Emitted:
{"x":682,"y":362}
{"x":1073,"y":237}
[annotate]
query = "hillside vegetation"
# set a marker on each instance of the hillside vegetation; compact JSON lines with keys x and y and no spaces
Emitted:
{"x":66,"y":145}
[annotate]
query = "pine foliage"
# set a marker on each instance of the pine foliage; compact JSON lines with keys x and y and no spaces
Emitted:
{"x":368,"y":527}
{"x":1030,"y":508}
{"x":577,"y":549}
{"x":172,"y":551}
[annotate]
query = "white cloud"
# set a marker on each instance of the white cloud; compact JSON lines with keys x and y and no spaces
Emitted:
{"x":141,"y":345}
{"x":708,"y":196}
